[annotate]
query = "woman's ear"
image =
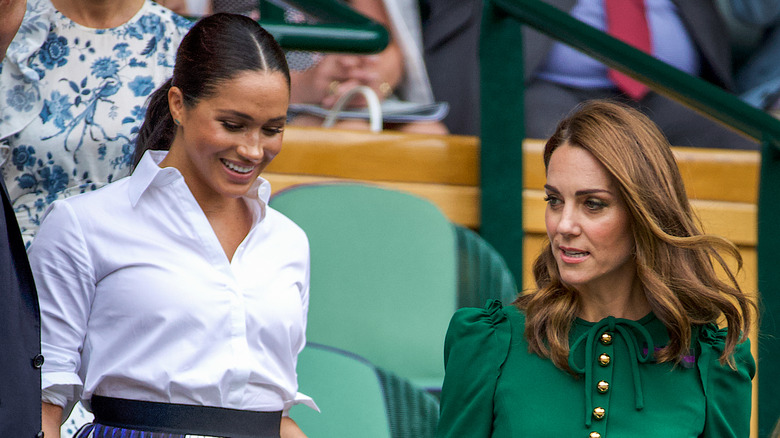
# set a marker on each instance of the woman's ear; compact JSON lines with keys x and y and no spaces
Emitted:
{"x":176,"y":104}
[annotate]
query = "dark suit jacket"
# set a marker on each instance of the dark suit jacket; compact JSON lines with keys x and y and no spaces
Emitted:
{"x":701,"y":19}
{"x":20,"y":359}
{"x":450,"y":43}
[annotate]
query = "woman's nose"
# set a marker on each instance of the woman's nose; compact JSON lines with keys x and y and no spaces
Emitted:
{"x":568,"y":222}
{"x":252,"y":147}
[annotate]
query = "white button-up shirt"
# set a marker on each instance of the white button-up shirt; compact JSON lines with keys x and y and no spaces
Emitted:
{"x":139,"y":301}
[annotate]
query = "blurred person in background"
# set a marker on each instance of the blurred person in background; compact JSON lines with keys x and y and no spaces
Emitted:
{"x":74,"y":85}
{"x":758,"y":78}
{"x":687,"y":34}
{"x":397,"y":73}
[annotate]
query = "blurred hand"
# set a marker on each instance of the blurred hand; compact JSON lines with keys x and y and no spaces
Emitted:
{"x":337,"y":74}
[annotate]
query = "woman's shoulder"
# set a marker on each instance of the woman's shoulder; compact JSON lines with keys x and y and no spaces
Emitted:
{"x":486,"y":329}
{"x":712,"y":343}
{"x":92,"y":207}
{"x":475,"y":350}
{"x":713,"y":337}
{"x":494,"y":316}
{"x":727,"y":386}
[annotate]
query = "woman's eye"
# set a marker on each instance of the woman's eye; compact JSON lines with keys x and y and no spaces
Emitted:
{"x":595,"y":204}
{"x":271,"y":131}
{"x":552,"y":200}
{"x":231,"y":126}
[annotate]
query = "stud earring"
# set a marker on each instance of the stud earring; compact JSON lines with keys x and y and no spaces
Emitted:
{"x":176,"y":121}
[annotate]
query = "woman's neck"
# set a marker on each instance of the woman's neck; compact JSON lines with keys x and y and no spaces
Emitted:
{"x":99,"y":14}
{"x":630,"y":304}
{"x":231,"y":221}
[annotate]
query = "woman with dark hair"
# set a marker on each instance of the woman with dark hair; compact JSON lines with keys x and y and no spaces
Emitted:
{"x":174,"y":300}
{"x":620,"y":336}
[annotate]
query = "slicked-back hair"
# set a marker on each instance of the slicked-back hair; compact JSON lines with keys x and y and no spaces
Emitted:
{"x":217,"y":48}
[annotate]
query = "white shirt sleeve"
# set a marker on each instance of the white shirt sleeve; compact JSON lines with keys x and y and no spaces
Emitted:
{"x":64,"y":277}
{"x":301,"y":398}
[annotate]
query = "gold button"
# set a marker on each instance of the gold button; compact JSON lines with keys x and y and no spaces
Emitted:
{"x":599,"y":413}
{"x":604,"y":359}
{"x":594,"y":435}
{"x":602,"y":386}
{"x":606,"y":338}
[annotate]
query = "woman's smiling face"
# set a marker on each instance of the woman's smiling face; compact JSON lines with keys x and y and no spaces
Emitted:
{"x":588,"y":223}
{"x":224,"y":142}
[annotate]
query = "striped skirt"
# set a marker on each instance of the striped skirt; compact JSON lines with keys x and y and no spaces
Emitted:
{"x":94,"y":430}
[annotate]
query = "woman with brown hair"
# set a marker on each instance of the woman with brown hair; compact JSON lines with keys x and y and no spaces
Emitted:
{"x":620,"y":336}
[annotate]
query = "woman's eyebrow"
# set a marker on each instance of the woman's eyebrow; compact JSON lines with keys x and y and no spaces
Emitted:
{"x":578,"y":192}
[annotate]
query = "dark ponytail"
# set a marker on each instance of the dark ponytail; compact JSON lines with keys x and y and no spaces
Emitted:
{"x":217,"y":48}
{"x":158,"y":128}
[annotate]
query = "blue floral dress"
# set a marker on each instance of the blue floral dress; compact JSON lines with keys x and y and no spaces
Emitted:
{"x":72,"y":100}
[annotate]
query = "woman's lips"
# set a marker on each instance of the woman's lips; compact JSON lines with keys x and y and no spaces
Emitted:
{"x":573,"y":255}
{"x":238,"y":168}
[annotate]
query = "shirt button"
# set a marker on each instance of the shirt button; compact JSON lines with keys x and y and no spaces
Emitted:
{"x":39,"y":434}
{"x":606,"y":338}
{"x":604,"y":359}
{"x":594,"y":435}
{"x":37,"y":361}
{"x":602,"y":386}
{"x":599,"y":412}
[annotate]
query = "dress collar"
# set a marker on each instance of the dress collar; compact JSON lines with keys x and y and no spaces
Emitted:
{"x":620,"y":330}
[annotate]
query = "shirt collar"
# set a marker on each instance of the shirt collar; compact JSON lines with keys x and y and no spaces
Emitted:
{"x":149,"y":174}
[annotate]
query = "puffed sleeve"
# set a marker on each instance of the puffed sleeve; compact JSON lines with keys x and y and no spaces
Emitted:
{"x":727,"y":391}
{"x":475,"y":348}
{"x":65,"y":279}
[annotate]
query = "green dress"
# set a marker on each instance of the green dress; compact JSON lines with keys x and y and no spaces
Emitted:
{"x":494,"y":387}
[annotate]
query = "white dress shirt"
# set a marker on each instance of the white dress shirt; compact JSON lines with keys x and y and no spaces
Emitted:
{"x":139,"y":301}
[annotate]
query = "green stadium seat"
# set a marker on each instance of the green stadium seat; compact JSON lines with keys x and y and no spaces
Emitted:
{"x":482,"y":273}
{"x":384,"y":274}
{"x":358,"y":400}
{"x":348,"y":392}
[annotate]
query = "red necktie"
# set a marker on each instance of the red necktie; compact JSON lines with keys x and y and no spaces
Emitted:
{"x":626,"y":21}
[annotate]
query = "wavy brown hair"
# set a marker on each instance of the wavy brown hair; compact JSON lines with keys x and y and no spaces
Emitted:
{"x":675,"y":261}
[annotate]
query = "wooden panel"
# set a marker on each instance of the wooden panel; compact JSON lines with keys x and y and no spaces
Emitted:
{"x":713,"y":174}
{"x":718,"y":174}
{"x":387,"y":156}
{"x":459,"y":203}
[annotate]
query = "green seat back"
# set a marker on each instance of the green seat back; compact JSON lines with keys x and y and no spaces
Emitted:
{"x":383,"y":274}
{"x":348,"y":392}
{"x":482,"y":272}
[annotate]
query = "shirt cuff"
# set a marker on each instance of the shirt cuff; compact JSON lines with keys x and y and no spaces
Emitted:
{"x":61,"y":389}
{"x":54,"y":396}
{"x":64,"y":396}
{"x":300,"y":399}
